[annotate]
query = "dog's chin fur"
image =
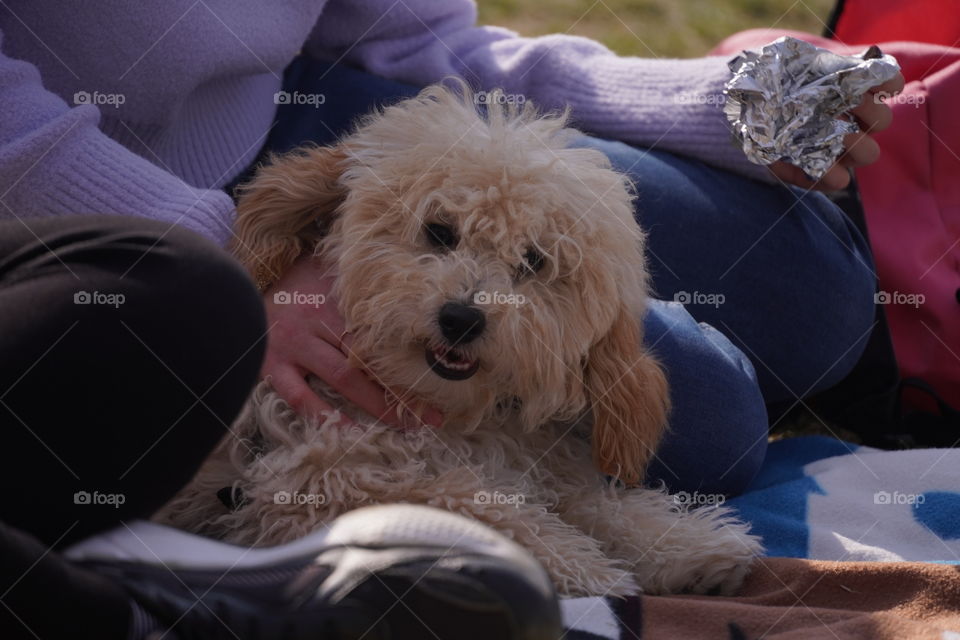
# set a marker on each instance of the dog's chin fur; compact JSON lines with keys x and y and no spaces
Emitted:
{"x":561,"y":346}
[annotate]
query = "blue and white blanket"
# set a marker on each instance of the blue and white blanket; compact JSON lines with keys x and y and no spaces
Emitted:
{"x":824,"y":499}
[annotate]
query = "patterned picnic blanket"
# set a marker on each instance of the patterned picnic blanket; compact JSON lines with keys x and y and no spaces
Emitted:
{"x":861,"y":543}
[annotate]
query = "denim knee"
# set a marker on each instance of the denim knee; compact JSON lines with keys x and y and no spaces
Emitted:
{"x":841,"y":302}
{"x":717,"y":436}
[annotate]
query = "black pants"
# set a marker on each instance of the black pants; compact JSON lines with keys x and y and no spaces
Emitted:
{"x":126,"y":348}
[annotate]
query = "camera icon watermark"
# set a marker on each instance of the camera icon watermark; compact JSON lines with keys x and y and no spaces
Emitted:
{"x":483,"y":298}
{"x":96,"y":498}
{"x":99,"y":99}
{"x":698,"y":298}
{"x":897,"y":498}
{"x":912,"y":99}
{"x":98,"y":297}
{"x":296,"y":97}
{"x":295,"y":297}
{"x":697,"y":499}
{"x":297,"y":498}
{"x":499,"y":498}
{"x":896,"y":297}
{"x":498,"y":97}
{"x":700,"y":98}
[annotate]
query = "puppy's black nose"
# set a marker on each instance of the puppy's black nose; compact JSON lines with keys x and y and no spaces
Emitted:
{"x":460,"y":323}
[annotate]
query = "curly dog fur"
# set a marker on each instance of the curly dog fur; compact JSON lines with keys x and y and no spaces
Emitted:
{"x":554,"y":392}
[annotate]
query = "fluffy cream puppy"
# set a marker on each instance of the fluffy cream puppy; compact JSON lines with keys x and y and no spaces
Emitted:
{"x":487,"y":268}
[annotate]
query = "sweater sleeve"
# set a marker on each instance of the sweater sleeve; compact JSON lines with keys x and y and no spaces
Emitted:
{"x":670,"y":104}
{"x":55,"y":161}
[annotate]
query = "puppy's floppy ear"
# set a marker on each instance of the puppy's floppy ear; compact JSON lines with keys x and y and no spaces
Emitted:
{"x":630,"y":400}
{"x":286,"y":208}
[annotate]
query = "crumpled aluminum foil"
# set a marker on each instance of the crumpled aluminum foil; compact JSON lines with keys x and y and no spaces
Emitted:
{"x":784,"y":100}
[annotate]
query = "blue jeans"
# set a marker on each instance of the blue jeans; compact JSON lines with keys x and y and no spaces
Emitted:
{"x":778,"y":284}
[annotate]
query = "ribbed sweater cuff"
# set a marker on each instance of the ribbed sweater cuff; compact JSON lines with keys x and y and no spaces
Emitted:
{"x":99,"y":176}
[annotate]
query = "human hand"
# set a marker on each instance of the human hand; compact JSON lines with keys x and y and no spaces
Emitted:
{"x":860,"y":149}
{"x":306,"y":335}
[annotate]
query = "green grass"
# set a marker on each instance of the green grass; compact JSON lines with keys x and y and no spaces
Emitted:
{"x":654,"y":28}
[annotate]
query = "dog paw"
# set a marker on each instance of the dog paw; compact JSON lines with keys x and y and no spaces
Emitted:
{"x":579,"y":577}
{"x":716,"y":576}
{"x":726,"y":566}
{"x":715,"y":562}
{"x":720,"y":578}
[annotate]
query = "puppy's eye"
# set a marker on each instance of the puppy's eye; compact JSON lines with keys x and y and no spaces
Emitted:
{"x":441,"y":235}
{"x":532,"y":262}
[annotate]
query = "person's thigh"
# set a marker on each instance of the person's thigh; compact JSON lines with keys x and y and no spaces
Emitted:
{"x":783,"y":273}
{"x":717,"y":437}
{"x":127,"y":347}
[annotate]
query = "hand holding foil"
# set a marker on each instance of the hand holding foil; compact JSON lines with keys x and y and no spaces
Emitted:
{"x":784,"y":101}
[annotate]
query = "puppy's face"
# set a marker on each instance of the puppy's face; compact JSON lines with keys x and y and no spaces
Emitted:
{"x":487,"y":268}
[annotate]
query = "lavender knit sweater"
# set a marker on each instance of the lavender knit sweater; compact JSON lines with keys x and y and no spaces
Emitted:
{"x":148,"y":108}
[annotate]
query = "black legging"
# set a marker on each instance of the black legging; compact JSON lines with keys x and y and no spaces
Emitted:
{"x":126,"y":348}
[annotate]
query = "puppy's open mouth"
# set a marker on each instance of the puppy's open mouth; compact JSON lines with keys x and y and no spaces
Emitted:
{"x":450,"y":364}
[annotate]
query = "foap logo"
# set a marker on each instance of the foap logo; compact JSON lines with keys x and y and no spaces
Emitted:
{"x":96,"y":498}
{"x":700,"y":98}
{"x":297,"y":498}
{"x":496,"y":297}
{"x":699,"y":298}
{"x":885,"y":497}
{"x":499,"y":498}
{"x":296,"y":297}
{"x":911,"y":99}
{"x":311,"y":99}
{"x":497,"y":97}
{"x":98,"y":297}
{"x":697,"y":499}
{"x":99,"y":99}
{"x":896,"y":297}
